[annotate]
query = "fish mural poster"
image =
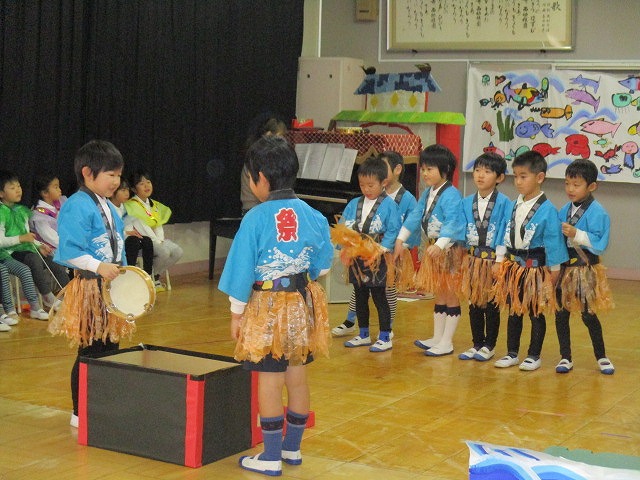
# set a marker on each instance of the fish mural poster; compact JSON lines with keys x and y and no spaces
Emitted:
{"x":563,"y":114}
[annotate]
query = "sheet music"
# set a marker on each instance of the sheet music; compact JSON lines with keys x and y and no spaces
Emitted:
{"x":315,"y":158}
{"x":346,"y":165}
{"x":332,"y":162}
{"x":325,"y":161}
{"x":302,"y":151}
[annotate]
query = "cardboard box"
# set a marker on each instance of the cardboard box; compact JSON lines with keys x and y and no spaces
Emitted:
{"x":177,"y":406}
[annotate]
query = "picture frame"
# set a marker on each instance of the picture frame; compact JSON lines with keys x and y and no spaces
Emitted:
{"x":436,"y":25}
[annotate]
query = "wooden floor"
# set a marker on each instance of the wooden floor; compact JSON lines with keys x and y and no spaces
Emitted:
{"x":392,"y":415}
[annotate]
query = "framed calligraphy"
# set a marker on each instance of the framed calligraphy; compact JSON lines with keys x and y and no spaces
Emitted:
{"x":415,"y":25}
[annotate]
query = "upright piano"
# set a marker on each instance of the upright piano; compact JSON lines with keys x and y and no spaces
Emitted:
{"x":330,"y":198}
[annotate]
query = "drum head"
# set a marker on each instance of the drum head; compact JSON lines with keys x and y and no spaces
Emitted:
{"x":131,"y":294}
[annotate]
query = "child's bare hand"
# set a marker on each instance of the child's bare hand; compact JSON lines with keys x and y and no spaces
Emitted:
{"x":45,"y":250}
{"x":110,"y":271}
{"x":236,"y":323}
{"x":568,"y":230}
{"x":27,"y":238}
{"x":397,"y":249}
{"x":133,"y":233}
{"x":434,"y":251}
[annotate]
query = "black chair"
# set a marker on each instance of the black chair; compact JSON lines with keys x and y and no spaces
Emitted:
{"x":220,"y":227}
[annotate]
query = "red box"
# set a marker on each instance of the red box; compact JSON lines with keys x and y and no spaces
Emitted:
{"x":172,"y":405}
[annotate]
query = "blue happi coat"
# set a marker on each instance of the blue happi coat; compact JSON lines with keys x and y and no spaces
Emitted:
{"x":446,"y":219}
{"x":82,"y":231}
{"x":497,"y":221}
{"x":595,"y":222}
{"x":385,"y":222}
{"x":277,"y":238}
{"x":543,"y":230}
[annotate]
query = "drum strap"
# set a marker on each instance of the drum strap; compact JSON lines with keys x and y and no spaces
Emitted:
{"x":107,"y":224}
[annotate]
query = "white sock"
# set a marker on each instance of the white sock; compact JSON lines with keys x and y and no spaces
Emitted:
{"x":445,"y":344}
{"x":439,"y":320}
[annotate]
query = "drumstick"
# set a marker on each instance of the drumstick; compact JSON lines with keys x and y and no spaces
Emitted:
{"x":45,"y":264}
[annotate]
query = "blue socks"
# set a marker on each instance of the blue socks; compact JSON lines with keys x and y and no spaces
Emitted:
{"x":384,"y":336}
{"x":272,"y":436}
{"x":364,"y":332}
{"x":296,"y":424}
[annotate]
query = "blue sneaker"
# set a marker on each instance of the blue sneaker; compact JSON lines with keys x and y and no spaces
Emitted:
{"x":469,"y":354}
{"x":606,"y":367}
{"x":381,"y":346}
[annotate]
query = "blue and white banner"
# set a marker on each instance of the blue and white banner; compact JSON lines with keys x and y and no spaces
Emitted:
{"x":562,"y":114}
{"x":497,"y":462}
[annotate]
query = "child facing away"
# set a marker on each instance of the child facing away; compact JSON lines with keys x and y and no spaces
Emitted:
{"x":148,"y":216}
{"x":134,"y":241}
{"x":484,"y":214}
{"x":374,"y":214}
{"x":439,"y":214}
{"x":23,"y":255}
{"x":525,"y":280}
{"x":267,"y":123}
{"x":279,"y":314}
{"x":48,"y":201}
{"x":406,"y":202}
{"x":92,"y":243}
{"x":583,"y":287}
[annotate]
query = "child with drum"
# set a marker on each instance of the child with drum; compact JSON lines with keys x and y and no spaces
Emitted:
{"x":91,"y":241}
{"x":279,"y":314}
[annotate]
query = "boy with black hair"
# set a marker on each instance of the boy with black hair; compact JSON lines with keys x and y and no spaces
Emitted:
{"x":583,"y":285}
{"x":484,"y":214}
{"x":91,"y":241}
{"x":406,"y":202}
{"x":279,"y":314}
{"x":374,"y":214}
{"x":525,"y":280}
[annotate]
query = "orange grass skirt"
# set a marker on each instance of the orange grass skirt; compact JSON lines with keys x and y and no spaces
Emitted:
{"x":83,"y":316}
{"x":403,"y":272}
{"x":585,"y":288}
{"x":441,"y":273}
{"x":477,"y":280}
{"x":284,"y":324}
{"x":524,"y":290}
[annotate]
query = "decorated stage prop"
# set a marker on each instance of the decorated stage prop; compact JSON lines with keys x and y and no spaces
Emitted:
{"x":397,"y":103}
{"x":564,"y":115}
{"x":496,"y":462}
{"x":398,"y":92}
{"x":177,"y":406}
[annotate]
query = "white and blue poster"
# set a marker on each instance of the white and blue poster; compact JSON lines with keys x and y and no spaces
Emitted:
{"x":497,"y":462}
{"x":562,"y":114}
